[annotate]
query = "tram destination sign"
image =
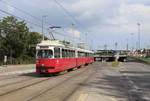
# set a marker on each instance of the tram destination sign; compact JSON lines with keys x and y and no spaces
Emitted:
{"x":44,"y":47}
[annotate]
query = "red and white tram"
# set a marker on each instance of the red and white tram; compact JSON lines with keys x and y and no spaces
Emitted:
{"x":52,"y":57}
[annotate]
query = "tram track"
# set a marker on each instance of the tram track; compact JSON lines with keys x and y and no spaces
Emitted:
{"x":43,"y":91}
{"x":9,"y":78}
{"x":12,"y":83}
{"x":26,"y":86}
{"x":35,"y":96}
{"x":19,"y":88}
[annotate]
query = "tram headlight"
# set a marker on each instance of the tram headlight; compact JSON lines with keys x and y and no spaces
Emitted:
{"x":42,"y":64}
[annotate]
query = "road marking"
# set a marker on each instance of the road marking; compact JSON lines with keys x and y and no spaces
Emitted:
{"x":113,"y":99}
{"x":82,"y":97}
{"x":146,"y":98}
{"x":95,"y":97}
{"x":18,"y":72}
{"x":131,"y":82}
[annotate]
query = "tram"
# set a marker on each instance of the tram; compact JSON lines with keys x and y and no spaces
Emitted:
{"x":53,"y":57}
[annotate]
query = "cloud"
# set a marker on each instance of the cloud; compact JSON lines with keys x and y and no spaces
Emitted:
{"x":107,"y":20}
{"x":75,"y":33}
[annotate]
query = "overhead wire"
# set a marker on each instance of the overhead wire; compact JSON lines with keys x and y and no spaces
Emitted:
{"x":27,"y":13}
{"x":3,"y":11}
{"x":70,"y":15}
{"x":29,"y":21}
{"x":23,"y":11}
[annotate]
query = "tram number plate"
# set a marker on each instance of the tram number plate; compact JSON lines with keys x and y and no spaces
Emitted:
{"x":43,"y":71}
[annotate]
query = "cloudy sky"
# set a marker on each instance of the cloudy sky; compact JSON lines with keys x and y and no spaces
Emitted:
{"x":96,"y":22}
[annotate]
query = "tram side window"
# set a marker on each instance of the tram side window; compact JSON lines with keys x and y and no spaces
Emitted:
{"x":63,"y":53}
{"x":78,"y":54}
{"x":69,"y":54}
{"x":66,"y":53}
{"x":82,"y":54}
{"x":73,"y":54}
{"x":87,"y":54}
{"x":57,"y":52}
{"x":90,"y":55}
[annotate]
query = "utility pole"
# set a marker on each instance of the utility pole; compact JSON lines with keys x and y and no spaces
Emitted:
{"x":132,"y":41}
{"x":127,"y":47}
{"x":73,"y":33}
{"x":86,"y":39}
{"x":44,"y":16}
{"x":105,"y":47}
{"x":116,"y":44}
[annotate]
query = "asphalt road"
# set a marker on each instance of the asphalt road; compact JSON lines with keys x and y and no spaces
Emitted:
{"x":138,"y":76}
{"x":96,"y":82}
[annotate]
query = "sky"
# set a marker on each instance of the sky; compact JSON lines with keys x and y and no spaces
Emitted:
{"x":97,"y":23}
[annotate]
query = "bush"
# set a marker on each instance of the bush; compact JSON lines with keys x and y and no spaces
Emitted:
{"x":115,"y":64}
{"x":143,"y":60}
{"x":1,"y":63}
{"x":21,"y":60}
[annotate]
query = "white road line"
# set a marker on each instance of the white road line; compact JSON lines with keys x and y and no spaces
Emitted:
{"x":130,"y":81}
{"x":82,"y":97}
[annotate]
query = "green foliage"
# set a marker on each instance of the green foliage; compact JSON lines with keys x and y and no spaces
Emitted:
{"x":16,"y":41}
{"x":14,"y":36}
{"x":115,"y":64}
{"x":65,"y":42}
{"x":21,"y":60}
{"x":141,"y":59}
{"x":33,"y":39}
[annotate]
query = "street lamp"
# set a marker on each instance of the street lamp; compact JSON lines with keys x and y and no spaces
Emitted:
{"x":116,"y":44}
{"x":139,"y":38}
{"x":127,"y":45}
{"x":86,"y":43}
{"x":44,"y":16}
{"x":132,"y":41}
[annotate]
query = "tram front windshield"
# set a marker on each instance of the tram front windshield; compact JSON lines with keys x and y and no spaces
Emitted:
{"x":44,"y":54}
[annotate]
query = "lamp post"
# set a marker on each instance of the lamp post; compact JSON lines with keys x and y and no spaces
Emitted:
{"x":139,"y":37}
{"x":127,"y":45}
{"x":86,"y":43}
{"x":116,"y":44}
{"x":132,"y":41}
{"x":44,"y":16}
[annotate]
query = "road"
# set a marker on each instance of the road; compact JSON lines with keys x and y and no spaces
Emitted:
{"x":96,"y":82}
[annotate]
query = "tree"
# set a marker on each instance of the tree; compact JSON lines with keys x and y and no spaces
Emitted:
{"x":14,"y":36}
{"x":33,"y":39}
{"x":65,"y":42}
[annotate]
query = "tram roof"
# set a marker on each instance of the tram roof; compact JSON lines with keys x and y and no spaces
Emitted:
{"x":84,"y":50}
{"x":51,"y":43}
{"x":57,"y":43}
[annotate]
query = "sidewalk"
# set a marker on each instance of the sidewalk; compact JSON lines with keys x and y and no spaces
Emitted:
{"x":16,"y":69}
